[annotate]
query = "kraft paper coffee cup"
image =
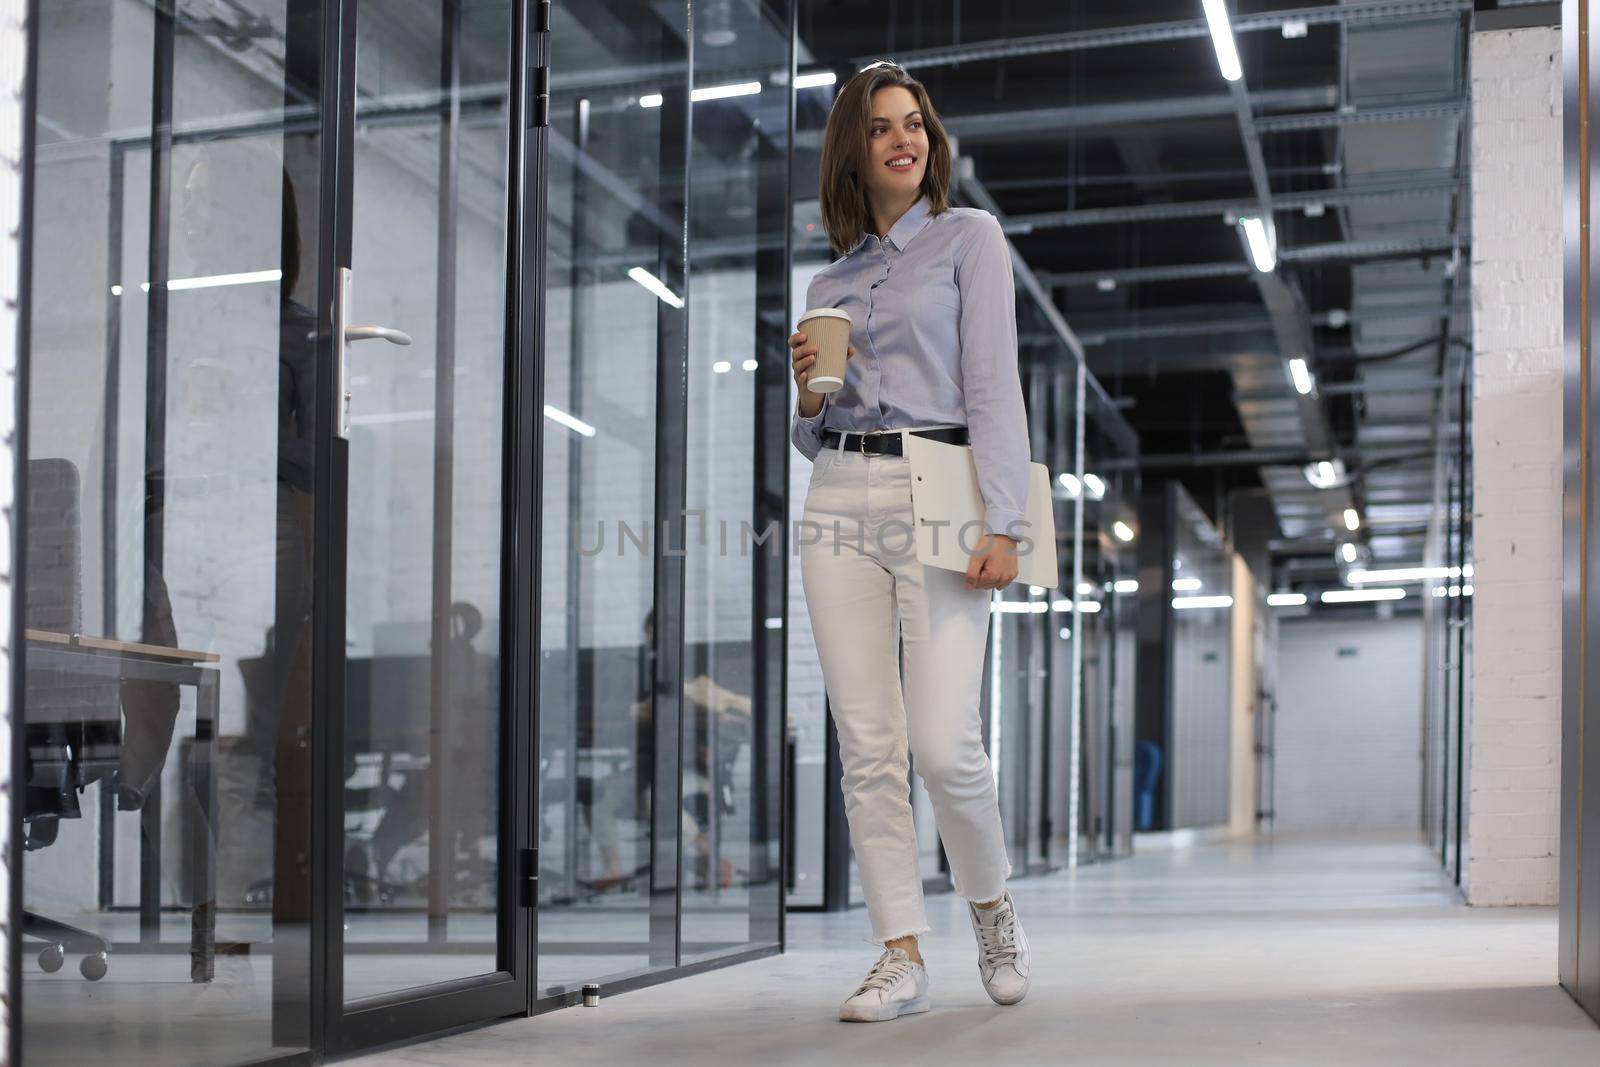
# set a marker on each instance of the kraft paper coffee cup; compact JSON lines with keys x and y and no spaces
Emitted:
{"x":829,"y":330}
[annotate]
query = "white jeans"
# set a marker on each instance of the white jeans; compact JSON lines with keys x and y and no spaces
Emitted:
{"x":863,"y":584}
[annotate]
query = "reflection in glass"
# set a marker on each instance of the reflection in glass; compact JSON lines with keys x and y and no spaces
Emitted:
{"x":737,"y":363}
{"x":613,"y":209}
{"x":422,"y":678}
{"x":168,"y":522}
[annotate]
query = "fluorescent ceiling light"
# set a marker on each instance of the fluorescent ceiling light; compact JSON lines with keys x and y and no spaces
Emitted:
{"x":116,"y":290}
{"x":211,"y":281}
{"x":1070,"y":481}
{"x":1285,"y":600}
{"x":1348,"y":551}
{"x":1018,"y":607}
{"x":1325,"y":473}
{"x":571,"y":422}
{"x":1126,"y":585}
{"x":1066,"y":634}
{"x":1399,"y":574}
{"x":1085,"y":588}
{"x":722,"y":92}
{"x":1222,"y":39}
{"x":1352,"y":519}
{"x":722,"y":366}
{"x":1036,"y":590}
{"x":815,"y":79}
{"x":1361,"y":596}
{"x":1096,"y":487}
{"x":1293,"y":29}
{"x":1123,"y":531}
{"x":1088,"y":607}
{"x":1466,"y":572}
{"x":1185,"y":585}
{"x":656,"y":286}
{"x":1060,"y":605}
{"x":650,"y":100}
{"x":1186,"y":603}
{"x":1300,"y":375}
{"x":1454,"y":590}
{"x":750,"y":364}
{"x":1256,"y":235}
{"x":775,"y":622}
{"x":1466,"y":590}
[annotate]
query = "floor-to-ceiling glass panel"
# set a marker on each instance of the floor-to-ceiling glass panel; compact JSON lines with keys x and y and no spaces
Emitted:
{"x":610,"y":229}
{"x":423,"y":725}
{"x":738,"y":363}
{"x":168,"y":518}
{"x":1110,"y":535}
{"x":807,"y":713}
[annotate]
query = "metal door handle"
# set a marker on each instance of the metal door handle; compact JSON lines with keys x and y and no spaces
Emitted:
{"x":376,"y":333}
{"x":348,"y":335}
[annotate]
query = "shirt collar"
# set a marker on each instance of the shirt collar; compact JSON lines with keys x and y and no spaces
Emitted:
{"x":909,"y":225}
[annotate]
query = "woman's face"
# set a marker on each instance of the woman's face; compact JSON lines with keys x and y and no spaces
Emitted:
{"x":897,"y":146}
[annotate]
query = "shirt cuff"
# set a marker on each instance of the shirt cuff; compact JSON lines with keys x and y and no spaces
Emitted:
{"x":999,"y":520}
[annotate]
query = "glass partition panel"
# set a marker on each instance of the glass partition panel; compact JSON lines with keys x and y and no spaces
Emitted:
{"x":423,"y":710}
{"x":738,"y":387}
{"x":612,"y":235}
{"x":167,"y":584}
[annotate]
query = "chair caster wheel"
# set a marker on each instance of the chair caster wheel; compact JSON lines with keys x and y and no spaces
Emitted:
{"x":51,"y":959}
{"x":92,"y":967}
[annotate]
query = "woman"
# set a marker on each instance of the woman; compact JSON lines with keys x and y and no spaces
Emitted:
{"x":929,"y":291}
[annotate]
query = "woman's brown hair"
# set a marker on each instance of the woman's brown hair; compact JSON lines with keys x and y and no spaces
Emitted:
{"x":843,"y":193}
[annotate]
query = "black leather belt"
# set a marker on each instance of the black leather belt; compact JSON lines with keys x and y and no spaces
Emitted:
{"x":887,"y":442}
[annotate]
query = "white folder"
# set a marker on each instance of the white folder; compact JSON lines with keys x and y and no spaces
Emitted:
{"x":946,"y":500}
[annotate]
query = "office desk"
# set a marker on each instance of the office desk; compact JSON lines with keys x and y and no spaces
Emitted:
{"x":79,"y":655}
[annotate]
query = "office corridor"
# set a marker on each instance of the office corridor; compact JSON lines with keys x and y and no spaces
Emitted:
{"x":1305,"y":950}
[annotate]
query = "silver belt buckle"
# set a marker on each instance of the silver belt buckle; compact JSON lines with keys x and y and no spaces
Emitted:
{"x":877,"y":450}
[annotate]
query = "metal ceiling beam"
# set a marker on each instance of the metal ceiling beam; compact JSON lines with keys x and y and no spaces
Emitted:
{"x":1091,"y":336}
{"x":1357,"y":388}
{"x":1036,"y":120}
{"x":1182,"y":29}
{"x":1335,"y":250}
{"x":1049,"y":220}
{"x":1251,"y":457}
{"x":1359,"y":117}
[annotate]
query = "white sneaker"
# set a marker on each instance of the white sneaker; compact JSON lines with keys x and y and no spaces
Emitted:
{"x":1003,"y":960}
{"x":894,"y":987}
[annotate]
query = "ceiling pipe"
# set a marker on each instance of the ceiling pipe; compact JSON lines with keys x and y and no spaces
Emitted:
{"x":1181,"y":29}
{"x":1050,"y":220}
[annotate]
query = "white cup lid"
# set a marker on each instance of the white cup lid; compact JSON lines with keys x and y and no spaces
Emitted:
{"x":826,"y":313}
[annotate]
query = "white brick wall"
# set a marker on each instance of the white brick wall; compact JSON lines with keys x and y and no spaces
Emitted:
{"x":1348,"y":725}
{"x":1514,"y":731}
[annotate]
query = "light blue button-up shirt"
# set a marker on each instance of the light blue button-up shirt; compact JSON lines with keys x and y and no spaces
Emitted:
{"x":934,"y":324}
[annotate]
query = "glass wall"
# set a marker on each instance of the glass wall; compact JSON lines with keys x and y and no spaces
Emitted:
{"x":423,"y":715}
{"x":660,"y":728}
{"x":738,"y":390}
{"x":168,"y":518}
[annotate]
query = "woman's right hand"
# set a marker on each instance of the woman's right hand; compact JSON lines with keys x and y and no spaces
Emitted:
{"x":804,"y":355}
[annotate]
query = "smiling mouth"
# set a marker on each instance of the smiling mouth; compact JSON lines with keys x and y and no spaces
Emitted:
{"x":902,"y":163}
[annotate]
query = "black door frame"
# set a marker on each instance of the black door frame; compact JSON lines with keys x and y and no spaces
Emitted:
{"x":405,"y":1015}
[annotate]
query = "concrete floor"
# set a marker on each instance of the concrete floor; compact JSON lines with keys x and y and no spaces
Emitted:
{"x":1305,"y":951}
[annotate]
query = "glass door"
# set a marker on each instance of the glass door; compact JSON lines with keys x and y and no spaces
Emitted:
{"x":425,"y":864}
{"x":167,"y":582}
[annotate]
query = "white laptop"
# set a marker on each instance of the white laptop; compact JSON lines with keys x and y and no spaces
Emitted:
{"x":945,"y":498}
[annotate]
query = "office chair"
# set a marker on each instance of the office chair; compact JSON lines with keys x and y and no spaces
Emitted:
{"x":72,"y":724}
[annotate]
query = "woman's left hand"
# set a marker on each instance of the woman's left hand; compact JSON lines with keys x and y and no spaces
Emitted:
{"x":993,"y":564}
